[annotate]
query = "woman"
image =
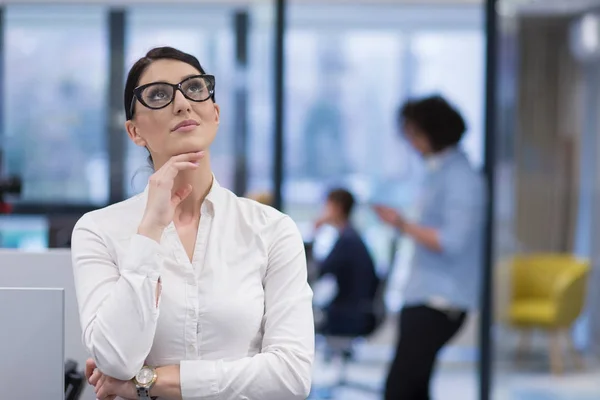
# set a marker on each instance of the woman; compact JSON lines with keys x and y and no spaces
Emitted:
{"x":187,"y":291}
{"x":445,"y":272}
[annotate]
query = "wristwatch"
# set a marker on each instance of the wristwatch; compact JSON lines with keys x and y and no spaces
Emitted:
{"x":144,"y":380}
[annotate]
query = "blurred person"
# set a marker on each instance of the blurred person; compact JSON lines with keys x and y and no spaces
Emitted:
{"x":350,"y":263}
{"x":444,"y":282}
{"x":187,"y":291}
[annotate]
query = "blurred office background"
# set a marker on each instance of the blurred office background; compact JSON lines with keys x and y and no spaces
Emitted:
{"x":347,"y":68}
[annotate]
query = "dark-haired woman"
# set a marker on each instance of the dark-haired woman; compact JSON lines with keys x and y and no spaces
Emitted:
{"x":187,"y":291}
{"x":444,"y":281}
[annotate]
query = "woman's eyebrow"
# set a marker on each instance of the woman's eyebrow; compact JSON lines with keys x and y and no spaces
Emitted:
{"x":188,"y":76}
{"x":167,"y":82}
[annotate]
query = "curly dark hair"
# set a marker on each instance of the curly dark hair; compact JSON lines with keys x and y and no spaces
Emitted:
{"x":439,"y":121}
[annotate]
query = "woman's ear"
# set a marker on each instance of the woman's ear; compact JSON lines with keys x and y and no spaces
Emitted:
{"x":134,"y":135}
{"x":217,"y":113}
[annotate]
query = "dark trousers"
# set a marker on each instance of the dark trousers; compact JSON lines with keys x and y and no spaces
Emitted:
{"x":423,"y":332}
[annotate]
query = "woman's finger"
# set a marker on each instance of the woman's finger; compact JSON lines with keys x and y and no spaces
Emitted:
{"x":99,"y":391}
{"x":103,"y":389}
{"x":164,"y":177}
{"x":90,"y":365}
{"x":96,"y":376}
{"x":172,"y":170}
{"x":186,"y":157}
{"x":181,"y":194}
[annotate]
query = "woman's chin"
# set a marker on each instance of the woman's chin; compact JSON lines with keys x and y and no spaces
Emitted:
{"x":191,"y":145}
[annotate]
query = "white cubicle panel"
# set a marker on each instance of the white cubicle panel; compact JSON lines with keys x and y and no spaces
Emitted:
{"x":32,"y":343}
{"x":51,"y":268}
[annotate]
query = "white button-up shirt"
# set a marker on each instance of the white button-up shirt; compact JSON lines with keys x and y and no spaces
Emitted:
{"x":237,"y":319}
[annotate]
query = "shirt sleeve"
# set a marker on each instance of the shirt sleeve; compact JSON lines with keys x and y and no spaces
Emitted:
{"x":117,"y":303}
{"x":282,"y":371}
{"x":462,"y":211}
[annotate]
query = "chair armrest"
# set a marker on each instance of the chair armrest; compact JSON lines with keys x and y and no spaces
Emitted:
{"x":569,"y":293}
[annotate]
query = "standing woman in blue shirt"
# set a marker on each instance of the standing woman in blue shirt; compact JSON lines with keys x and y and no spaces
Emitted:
{"x":444,"y":282}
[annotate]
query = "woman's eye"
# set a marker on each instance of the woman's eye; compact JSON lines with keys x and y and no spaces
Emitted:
{"x":195,"y":88}
{"x":157,"y":95}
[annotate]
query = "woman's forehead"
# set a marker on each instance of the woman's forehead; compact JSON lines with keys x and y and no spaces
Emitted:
{"x":172,"y":71}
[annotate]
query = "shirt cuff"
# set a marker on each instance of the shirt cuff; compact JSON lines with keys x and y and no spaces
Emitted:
{"x":198,"y":378}
{"x":144,"y":257}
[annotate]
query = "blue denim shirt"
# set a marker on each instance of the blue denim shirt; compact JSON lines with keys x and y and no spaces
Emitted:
{"x":453,"y":203}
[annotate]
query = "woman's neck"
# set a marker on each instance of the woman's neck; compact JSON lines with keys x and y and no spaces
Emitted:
{"x":201,"y":180}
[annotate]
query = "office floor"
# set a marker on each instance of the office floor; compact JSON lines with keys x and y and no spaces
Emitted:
{"x":461,"y":382}
{"x":457,"y":376}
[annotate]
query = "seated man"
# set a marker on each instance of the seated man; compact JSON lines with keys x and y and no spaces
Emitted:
{"x":349,"y":262}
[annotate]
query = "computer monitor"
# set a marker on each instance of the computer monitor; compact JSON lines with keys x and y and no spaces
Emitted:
{"x":24,"y":232}
{"x":32,"y":343}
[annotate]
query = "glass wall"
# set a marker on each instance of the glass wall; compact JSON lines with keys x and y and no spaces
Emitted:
{"x":63,"y":52}
{"x":349,"y":68}
{"x":346,"y":77}
{"x":55,"y":92}
{"x":260,"y":89}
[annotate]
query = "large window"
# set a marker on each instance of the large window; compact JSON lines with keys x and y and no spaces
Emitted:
{"x":205,"y":32}
{"x":340,"y":126}
{"x":345,"y":78}
{"x":55,"y":94}
{"x":260,"y":96}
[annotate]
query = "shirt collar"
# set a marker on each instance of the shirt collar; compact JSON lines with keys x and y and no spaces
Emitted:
{"x":435,"y":161}
{"x":213,"y":198}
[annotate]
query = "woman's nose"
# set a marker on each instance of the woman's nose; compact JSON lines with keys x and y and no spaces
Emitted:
{"x":180,"y":103}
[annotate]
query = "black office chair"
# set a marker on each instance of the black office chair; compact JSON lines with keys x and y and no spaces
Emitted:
{"x":344,"y":347}
{"x":74,"y":381}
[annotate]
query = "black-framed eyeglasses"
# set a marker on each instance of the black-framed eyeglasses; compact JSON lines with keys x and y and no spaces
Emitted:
{"x":157,"y":95}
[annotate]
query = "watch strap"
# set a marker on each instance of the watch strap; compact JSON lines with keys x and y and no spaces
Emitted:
{"x":143,"y":393}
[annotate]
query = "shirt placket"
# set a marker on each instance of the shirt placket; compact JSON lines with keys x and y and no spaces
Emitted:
{"x":194,"y":292}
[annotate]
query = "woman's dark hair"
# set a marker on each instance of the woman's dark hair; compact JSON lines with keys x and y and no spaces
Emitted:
{"x":137,"y":70}
{"x":343,"y":198}
{"x":439,"y":121}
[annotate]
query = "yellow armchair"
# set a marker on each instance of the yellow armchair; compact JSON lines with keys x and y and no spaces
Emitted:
{"x":548,"y":292}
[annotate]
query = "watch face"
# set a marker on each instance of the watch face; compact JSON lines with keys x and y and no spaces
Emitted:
{"x":145,"y":376}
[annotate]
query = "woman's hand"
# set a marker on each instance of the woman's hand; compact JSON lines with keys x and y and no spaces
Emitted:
{"x":108,"y":388}
{"x":90,"y":366}
{"x":168,"y":384}
{"x":162,"y":202}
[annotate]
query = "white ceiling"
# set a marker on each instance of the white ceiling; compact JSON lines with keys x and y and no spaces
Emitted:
{"x":505,"y":7}
{"x":320,"y":2}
